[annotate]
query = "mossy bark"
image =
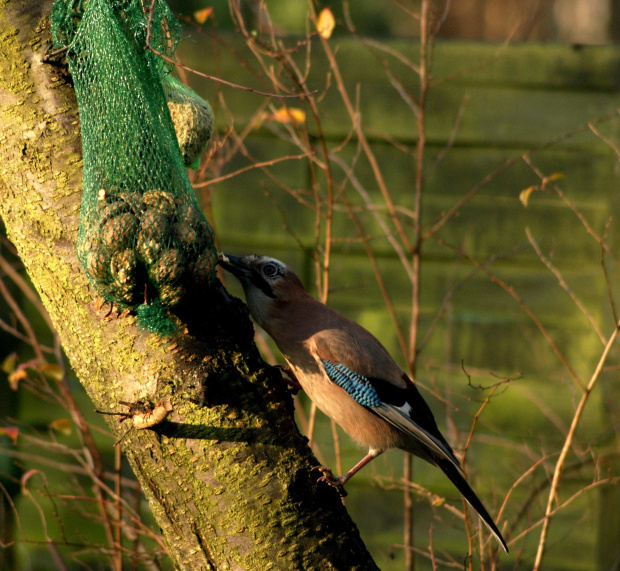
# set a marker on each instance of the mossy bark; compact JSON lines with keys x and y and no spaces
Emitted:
{"x":228,"y":477}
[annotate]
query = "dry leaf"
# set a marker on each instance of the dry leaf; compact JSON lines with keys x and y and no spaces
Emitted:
{"x":10,"y":431}
{"x":62,"y":425}
{"x":438,"y":501}
{"x":524,"y":195}
{"x":9,"y":363}
{"x":554,"y":176}
{"x":325,"y":23}
{"x":201,"y":16}
{"x":52,"y":372}
{"x":16,"y":377}
{"x":292,"y":115}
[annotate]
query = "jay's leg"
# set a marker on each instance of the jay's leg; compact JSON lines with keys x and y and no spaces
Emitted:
{"x":338,"y":482}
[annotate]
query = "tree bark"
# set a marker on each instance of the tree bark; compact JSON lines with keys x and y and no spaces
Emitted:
{"x":228,"y":477}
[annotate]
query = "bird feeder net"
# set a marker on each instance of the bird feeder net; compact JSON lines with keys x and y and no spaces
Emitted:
{"x":143,"y":241}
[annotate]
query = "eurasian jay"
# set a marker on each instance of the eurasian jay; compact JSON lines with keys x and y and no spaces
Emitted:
{"x":347,"y":373}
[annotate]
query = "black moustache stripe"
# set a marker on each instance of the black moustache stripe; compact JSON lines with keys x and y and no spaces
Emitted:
{"x":260,"y":283}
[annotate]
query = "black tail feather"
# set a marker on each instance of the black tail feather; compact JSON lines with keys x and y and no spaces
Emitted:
{"x":454,"y":473}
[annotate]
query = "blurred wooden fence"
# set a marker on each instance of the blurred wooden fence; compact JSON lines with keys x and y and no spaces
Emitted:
{"x":505,"y":101}
{"x":487,"y":106}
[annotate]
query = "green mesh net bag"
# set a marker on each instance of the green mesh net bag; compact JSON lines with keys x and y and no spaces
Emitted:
{"x":143,"y":241}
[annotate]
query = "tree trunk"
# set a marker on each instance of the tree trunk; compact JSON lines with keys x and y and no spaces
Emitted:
{"x":228,"y":476}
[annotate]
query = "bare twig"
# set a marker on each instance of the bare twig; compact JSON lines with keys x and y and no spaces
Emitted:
{"x":21,"y":317}
{"x":363,"y":141}
{"x":253,"y":166}
{"x":557,"y":473}
{"x":511,"y":291}
{"x":414,"y":326}
{"x":566,"y":200}
{"x":564,"y":285}
{"x":605,"y":140}
{"x":449,"y":214}
{"x":27,"y":290}
{"x":149,"y":38}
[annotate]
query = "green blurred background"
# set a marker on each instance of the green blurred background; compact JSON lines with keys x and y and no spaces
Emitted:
{"x":518,"y":91}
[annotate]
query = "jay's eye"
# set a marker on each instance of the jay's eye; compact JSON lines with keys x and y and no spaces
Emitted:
{"x":270,"y":270}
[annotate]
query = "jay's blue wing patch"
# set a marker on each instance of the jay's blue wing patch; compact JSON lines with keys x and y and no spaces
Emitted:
{"x":358,"y":387}
{"x":403,"y":408}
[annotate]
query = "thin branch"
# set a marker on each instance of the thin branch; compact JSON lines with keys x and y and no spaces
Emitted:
{"x":416,"y":264}
{"x":378,"y":276}
{"x":21,"y":317}
{"x":149,"y":37}
{"x":357,"y":185}
{"x":453,"y":133}
{"x":566,"y":201}
{"x":560,"y":507}
{"x":363,"y":141}
{"x":605,"y":140}
{"x":564,"y":285}
{"x":511,"y":291}
{"x":27,"y":290}
{"x":253,"y":166}
{"x":443,"y":219}
{"x":566,"y":447}
{"x":610,"y":290}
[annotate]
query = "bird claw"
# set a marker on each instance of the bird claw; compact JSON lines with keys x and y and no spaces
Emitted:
{"x":328,"y":477}
{"x":289,"y":378}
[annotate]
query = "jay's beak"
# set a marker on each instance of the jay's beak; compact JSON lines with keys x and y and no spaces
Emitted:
{"x":234,"y":265}
{"x":245,"y":273}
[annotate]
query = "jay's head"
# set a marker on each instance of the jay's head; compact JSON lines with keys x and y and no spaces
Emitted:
{"x":267,"y":283}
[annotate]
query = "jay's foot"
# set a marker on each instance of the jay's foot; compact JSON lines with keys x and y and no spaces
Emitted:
{"x":289,"y":378}
{"x":100,"y":302}
{"x":334,"y":481}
